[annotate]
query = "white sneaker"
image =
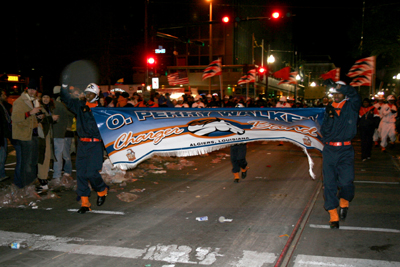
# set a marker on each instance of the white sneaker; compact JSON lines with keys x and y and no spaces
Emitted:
{"x":42,"y":188}
{"x":66,"y":174}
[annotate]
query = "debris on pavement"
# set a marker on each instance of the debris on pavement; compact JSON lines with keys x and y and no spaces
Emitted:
{"x":222,"y":219}
{"x":127,"y":197}
{"x":202,"y":219}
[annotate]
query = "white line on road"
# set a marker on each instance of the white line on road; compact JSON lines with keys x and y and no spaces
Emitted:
{"x":164,"y":253}
{"x":101,"y":212}
{"x":254,"y":259}
{"x":375,"y":182}
{"x":309,"y":261}
{"x":353,"y":228}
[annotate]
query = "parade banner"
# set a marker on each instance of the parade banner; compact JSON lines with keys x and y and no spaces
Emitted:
{"x":132,"y":135}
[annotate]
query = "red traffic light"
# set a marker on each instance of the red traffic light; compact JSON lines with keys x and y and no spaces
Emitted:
{"x":276,"y":15}
{"x":151,"y":60}
{"x":261,"y":70}
{"x":225,"y":19}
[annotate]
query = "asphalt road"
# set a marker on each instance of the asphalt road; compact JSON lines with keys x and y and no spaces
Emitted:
{"x":159,"y":228}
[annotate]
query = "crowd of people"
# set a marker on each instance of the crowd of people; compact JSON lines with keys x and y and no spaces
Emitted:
{"x":46,"y":126}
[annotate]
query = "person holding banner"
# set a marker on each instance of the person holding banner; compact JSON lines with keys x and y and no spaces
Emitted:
{"x":338,"y":129}
{"x":89,"y":156}
{"x":282,"y":103}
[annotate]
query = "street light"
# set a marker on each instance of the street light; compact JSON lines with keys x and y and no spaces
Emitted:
{"x":271,"y":59}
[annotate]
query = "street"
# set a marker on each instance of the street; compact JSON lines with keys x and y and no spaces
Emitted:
{"x":273,"y":217}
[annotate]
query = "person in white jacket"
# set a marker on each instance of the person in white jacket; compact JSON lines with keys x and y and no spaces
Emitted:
{"x":378,"y":106}
{"x":387,"y":127}
{"x":283,"y":103}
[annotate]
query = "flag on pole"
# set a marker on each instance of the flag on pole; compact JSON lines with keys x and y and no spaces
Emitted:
{"x":291,"y":79}
{"x":120,"y":81}
{"x":178,"y":78}
{"x":286,"y":76}
{"x":282,"y":74}
{"x":250,"y":77}
{"x":334,"y":75}
{"x":362,"y":71}
{"x":214,"y":68}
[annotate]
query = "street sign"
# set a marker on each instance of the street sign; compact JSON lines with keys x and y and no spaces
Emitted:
{"x":155,"y":82}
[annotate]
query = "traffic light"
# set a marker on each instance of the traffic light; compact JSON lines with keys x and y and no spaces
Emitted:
{"x":225,"y":19}
{"x":261,"y":73}
{"x":275,"y":15}
{"x":151,"y":61}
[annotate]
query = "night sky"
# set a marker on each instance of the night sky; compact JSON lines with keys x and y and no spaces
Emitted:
{"x":48,"y":38}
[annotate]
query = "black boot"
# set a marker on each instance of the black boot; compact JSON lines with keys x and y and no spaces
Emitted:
{"x":343,"y":213}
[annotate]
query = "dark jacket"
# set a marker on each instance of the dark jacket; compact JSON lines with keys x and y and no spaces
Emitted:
{"x":368,"y":118}
{"x":86,"y":126}
{"x":342,"y":128}
{"x":65,"y":120}
{"x":5,"y":125}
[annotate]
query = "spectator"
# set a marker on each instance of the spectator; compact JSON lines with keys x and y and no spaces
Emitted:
{"x":45,"y":134}
{"x":168,"y":101}
{"x":197,"y":102}
{"x":62,"y":139}
{"x":181,"y":103}
{"x":5,"y":133}
{"x":123,"y":100}
{"x":24,"y":119}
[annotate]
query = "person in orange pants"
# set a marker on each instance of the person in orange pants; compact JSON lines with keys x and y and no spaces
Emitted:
{"x":238,"y":160}
{"x":89,"y":156}
{"x":338,"y":129}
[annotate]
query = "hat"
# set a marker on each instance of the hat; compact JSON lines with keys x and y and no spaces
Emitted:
{"x":32,"y":85}
{"x":48,"y":93}
{"x":341,"y":82}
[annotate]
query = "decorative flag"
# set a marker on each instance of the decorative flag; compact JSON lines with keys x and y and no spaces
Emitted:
{"x":334,"y":75}
{"x":362,"y":71}
{"x":282,"y":74}
{"x":291,"y":79}
{"x":249,"y":78}
{"x":120,"y":81}
{"x":132,"y":135}
{"x":178,"y":78}
{"x":213,"y":69}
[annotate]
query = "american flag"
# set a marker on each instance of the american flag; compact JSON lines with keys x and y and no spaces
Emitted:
{"x":214,"y":68}
{"x":249,"y":78}
{"x":178,"y":78}
{"x":291,"y":79}
{"x":362,"y":71}
{"x":334,"y":75}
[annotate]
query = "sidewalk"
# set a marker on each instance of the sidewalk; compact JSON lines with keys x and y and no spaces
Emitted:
{"x":370,"y":235}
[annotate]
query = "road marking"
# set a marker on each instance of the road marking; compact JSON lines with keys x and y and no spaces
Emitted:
{"x":165,"y":253}
{"x":101,"y":212}
{"x":353,"y":228}
{"x":254,"y":259}
{"x":375,"y":182}
{"x":307,"y":260}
